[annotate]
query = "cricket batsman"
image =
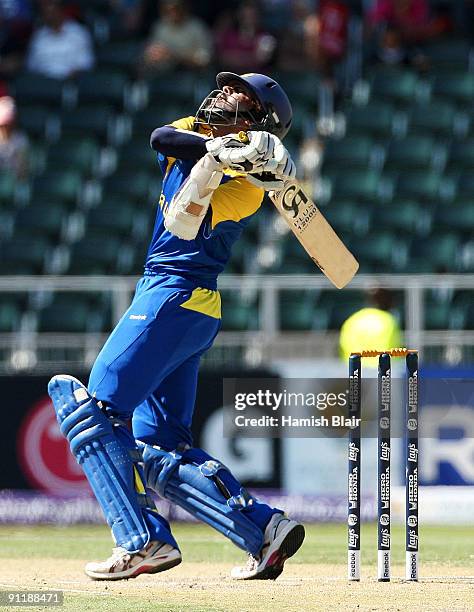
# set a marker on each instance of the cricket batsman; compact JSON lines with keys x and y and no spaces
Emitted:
{"x":146,"y":374}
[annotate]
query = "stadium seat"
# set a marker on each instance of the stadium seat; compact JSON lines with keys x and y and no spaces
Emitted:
{"x":297,"y":310}
{"x":303,"y":123}
{"x":437,"y":314}
{"x":36,"y":157}
{"x":173,"y":87}
{"x":451,"y":54}
{"x":464,"y":184}
{"x":340,"y":307}
{"x":468,"y":316}
{"x":456,"y":87}
{"x":130,"y":185}
{"x":37,"y":122}
{"x":401,"y":216}
{"x":463,"y":310}
{"x":137,"y":155}
{"x":136,"y":262}
{"x":418,"y":185}
{"x":93,"y":120}
{"x":461,"y":155}
{"x":436,"y":119}
{"x":351,"y":152}
{"x":115,"y":220}
{"x":147,"y":120}
{"x":376,"y":119}
{"x":41,"y":220}
{"x":467,"y":257}
{"x":94,"y":255}
{"x":7,"y":189}
{"x":238,"y":317}
{"x":81,"y":154}
{"x":441,"y":249}
{"x":255,"y":226}
{"x":32,"y":88}
{"x":238,"y":313}
{"x":10,"y":315}
{"x":242,"y":252}
{"x":418,"y":266}
{"x":458,"y":217}
{"x":413,"y":152}
{"x":23,"y":255}
{"x":120,"y":55}
{"x":62,"y":186}
{"x":70,"y":314}
{"x":394,"y":85}
{"x":102,"y":87}
{"x":301,"y":87}
{"x":379,"y":248}
{"x":347,"y":216}
{"x":293,"y":141}
{"x":358,"y":185}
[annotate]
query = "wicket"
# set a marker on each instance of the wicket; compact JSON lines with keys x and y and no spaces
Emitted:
{"x":383,"y":463}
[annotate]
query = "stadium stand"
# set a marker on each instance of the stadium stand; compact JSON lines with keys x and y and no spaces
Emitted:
{"x":401,"y":165}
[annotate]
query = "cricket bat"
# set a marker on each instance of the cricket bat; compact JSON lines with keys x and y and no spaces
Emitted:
{"x":315,"y":234}
{"x":313,"y":231}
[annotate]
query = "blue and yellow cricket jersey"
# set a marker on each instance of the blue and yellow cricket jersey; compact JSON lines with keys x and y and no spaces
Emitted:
{"x":202,"y":259}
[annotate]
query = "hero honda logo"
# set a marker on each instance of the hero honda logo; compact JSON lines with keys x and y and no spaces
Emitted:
{"x":44,"y":453}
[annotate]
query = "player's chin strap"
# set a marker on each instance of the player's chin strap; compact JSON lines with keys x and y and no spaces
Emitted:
{"x":192,"y":479}
{"x":109,"y":460}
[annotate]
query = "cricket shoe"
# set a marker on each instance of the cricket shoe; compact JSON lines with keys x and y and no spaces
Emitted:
{"x":282,"y":539}
{"x":155,"y":557}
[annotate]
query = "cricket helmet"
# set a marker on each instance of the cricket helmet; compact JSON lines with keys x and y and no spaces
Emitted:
{"x":275,"y":115}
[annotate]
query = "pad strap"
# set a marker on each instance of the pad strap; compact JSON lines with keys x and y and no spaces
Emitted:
{"x":206,"y":489}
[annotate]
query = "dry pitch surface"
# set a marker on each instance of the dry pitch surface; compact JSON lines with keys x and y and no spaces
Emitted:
{"x":40,"y":558}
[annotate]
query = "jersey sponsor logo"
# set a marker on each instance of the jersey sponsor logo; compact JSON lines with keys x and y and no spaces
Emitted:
{"x":44,"y":453}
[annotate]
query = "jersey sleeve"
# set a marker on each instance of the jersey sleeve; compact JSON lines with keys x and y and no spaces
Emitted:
{"x":177,"y":140}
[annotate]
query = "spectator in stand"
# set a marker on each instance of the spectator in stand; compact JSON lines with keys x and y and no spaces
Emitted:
{"x":15,"y":32}
{"x":397,"y":27}
{"x":390,"y":49}
{"x":178,"y":40}
{"x":326,"y":37}
{"x":241,"y":43}
{"x":60,"y":48}
{"x":127,"y":15}
{"x":13,"y":143}
{"x":463,"y":15}
{"x":292,"y":51}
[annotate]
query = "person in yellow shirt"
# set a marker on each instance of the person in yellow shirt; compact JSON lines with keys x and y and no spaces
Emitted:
{"x":373,"y":327}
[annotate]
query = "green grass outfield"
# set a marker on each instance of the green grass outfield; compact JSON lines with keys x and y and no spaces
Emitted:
{"x":44,"y":557}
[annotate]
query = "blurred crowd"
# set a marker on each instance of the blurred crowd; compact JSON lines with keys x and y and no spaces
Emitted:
{"x":56,"y":37}
{"x":59,"y":38}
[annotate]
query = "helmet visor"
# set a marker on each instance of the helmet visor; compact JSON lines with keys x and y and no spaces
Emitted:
{"x":218,"y":110}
